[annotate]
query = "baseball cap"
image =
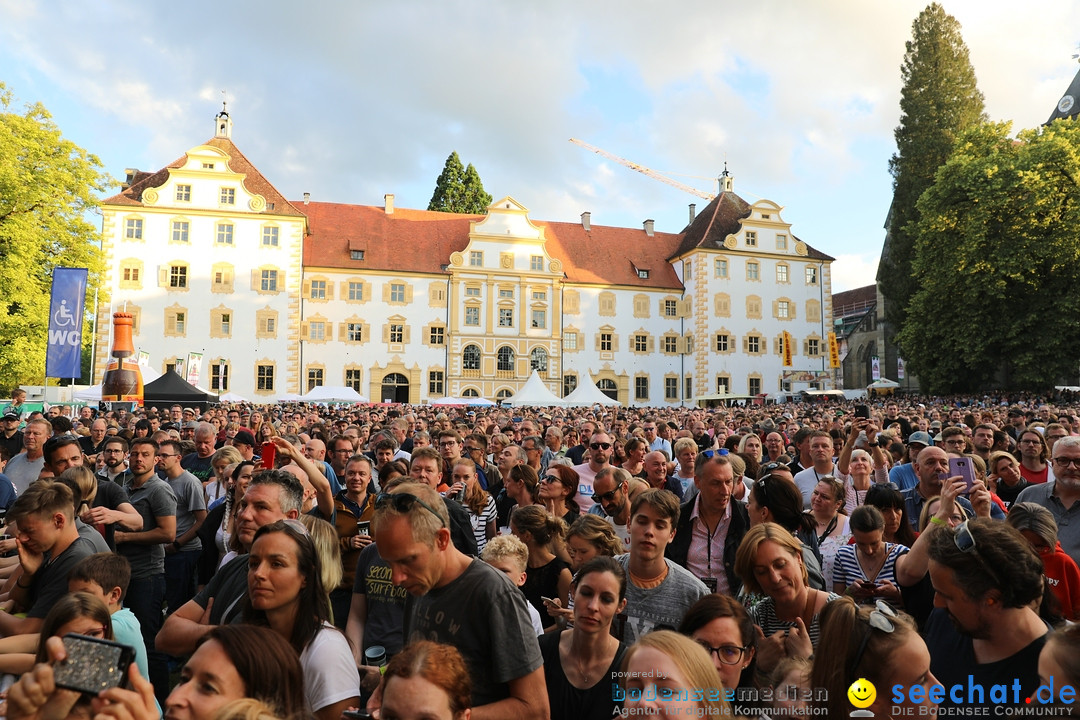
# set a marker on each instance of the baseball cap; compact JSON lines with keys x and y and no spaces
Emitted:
{"x":244,"y":437}
{"x":11,"y":416}
{"x":920,"y":437}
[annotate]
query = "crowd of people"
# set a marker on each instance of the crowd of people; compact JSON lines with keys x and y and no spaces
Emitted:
{"x":292,"y":561}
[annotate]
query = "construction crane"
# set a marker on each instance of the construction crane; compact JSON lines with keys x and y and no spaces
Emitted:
{"x":644,"y":170}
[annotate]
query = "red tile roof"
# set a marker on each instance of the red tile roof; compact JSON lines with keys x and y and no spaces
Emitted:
{"x":254,"y":180}
{"x":422,"y":241}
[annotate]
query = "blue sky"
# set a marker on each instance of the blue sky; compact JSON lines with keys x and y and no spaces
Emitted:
{"x":349,"y":100}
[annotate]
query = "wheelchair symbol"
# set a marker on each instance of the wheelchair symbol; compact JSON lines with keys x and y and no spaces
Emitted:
{"x":63,"y":316}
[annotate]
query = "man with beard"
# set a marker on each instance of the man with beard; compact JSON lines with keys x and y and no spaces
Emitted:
{"x":982,"y":439}
{"x":1062,"y":495}
{"x":600,"y":450}
{"x":983,"y":633}
{"x":611,"y":493}
{"x":115,"y":453}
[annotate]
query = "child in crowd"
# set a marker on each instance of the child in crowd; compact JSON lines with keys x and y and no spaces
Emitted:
{"x":509,"y":555}
{"x":106,"y":575}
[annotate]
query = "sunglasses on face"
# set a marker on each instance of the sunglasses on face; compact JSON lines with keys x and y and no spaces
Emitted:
{"x":600,"y":446}
{"x":606,"y":497}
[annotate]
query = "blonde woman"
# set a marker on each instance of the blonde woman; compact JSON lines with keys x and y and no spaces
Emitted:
{"x":664,"y":661}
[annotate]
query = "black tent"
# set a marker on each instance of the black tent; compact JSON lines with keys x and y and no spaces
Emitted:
{"x":171,"y":389}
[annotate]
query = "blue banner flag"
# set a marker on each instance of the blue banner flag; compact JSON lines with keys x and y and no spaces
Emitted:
{"x":63,"y":359}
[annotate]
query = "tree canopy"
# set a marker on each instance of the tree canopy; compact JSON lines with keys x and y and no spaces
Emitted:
{"x":997,"y":263}
{"x":938,"y":102}
{"x":459,"y":189}
{"x":47,"y":186}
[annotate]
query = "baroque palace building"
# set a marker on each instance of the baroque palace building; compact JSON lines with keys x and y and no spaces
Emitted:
{"x":412,"y":305}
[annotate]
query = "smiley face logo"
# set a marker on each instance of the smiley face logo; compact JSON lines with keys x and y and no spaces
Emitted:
{"x":862,"y":693}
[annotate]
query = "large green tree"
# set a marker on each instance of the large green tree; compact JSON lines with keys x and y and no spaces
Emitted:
{"x":459,"y":189}
{"x":997,"y":263}
{"x":939,"y":101}
{"x":47,"y":187}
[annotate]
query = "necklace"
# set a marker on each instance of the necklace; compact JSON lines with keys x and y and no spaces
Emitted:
{"x":581,"y":671}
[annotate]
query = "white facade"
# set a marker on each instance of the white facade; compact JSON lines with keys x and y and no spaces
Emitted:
{"x":410,"y":306}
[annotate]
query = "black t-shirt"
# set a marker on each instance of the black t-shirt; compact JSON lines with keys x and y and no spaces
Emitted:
{"x":199,"y":467}
{"x":109,"y":495}
{"x":567,"y":701}
{"x":14,"y":443}
{"x":952,"y":660}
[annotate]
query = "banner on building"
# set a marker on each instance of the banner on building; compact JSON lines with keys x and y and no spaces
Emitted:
{"x":194,"y":364}
{"x":834,"y":351}
{"x":63,"y":356}
{"x":875,"y":368}
{"x":144,"y":358}
{"x":899,"y":368}
{"x":787,"y":349}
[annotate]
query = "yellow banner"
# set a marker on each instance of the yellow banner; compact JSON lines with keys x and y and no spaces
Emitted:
{"x":787,"y":349}
{"x":834,"y":351}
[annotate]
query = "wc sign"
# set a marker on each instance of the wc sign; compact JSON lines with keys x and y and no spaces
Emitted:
{"x":63,"y":358}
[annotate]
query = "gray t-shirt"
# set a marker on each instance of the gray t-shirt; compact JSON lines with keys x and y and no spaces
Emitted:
{"x":484,"y":616}
{"x":153,"y":500}
{"x":189,"y":498}
{"x":661,"y":607}
{"x":21,"y":472}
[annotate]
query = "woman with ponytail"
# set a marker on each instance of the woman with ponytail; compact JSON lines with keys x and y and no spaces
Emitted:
{"x":547,"y":575}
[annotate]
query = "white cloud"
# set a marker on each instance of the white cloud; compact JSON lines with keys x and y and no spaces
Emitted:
{"x":351,"y":100}
{"x":853,"y":271}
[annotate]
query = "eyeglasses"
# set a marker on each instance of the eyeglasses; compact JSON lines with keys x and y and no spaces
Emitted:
{"x":882,"y":618}
{"x":168,"y":455}
{"x":727,"y":654}
{"x":606,"y":497}
{"x":1066,"y":462}
{"x":469,"y":449}
{"x":403,"y":503}
{"x":600,"y":446}
{"x":1029,"y":442}
{"x":448,"y":443}
{"x":550,"y":479}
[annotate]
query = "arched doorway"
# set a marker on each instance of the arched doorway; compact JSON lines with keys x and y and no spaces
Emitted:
{"x":395,"y":388}
{"x":608,"y":387}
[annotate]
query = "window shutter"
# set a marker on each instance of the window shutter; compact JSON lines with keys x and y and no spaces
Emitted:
{"x":614,"y":342}
{"x":407,"y":336}
{"x":343,"y":332}
{"x":386,"y":333}
{"x":330,"y":290}
{"x":791,"y":310}
{"x":776,"y":308}
{"x":305,"y":327}
{"x":746,"y":344}
{"x":255,"y":280}
{"x":163,"y":276}
{"x":281,"y":281}
{"x":685,"y":308}
{"x":386,"y":292}
{"x":329,"y":329}
{"x":306,"y":291}
{"x":650,"y":344}
{"x":408,"y":293}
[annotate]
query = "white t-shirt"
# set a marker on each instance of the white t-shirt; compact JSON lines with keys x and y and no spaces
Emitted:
{"x":330,"y":673}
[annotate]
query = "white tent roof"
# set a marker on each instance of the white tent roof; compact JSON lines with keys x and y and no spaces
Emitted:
{"x":93,"y":393}
{"x":288,"y":397}
{"x":534,"y":392}
{"x":231,"y":397}
{"x":587,"y":394}
{"x":884,"y":383}
{"x":330,"y":393}
{"x":451,"y":400}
